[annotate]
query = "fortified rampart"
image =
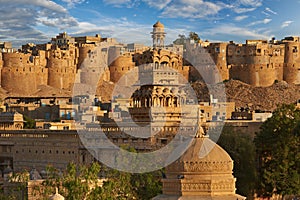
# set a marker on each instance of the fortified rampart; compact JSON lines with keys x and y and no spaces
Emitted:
{"x":257,"y":62}
{"x":218,"y":53}
{"x":94,"y":67}
{"x":55,"y":64}
{"x":62,"y":66}
{"x":209,"y":62}
{"x":22,"y":73}
{"x":291,"y":69}
{"x":120,"y":66}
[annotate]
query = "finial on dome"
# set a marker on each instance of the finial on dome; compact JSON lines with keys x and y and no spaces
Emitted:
{"x":200,"y":131}
{"x":158,"y":24}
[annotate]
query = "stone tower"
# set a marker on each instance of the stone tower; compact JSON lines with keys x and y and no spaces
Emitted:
{"x":159,"y":94}
{"x":22,"y":73}
{"x":62,"y":62}
{"x":158,"y":35}
{"x":291,"y":69}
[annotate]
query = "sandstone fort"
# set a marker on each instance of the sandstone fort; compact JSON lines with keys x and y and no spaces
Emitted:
{"x":56,"y":64}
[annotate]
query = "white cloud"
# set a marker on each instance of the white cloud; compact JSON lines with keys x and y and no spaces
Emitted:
{"x":243,"y":6}
{"x":40,"y":3}
{"x":271,"y":11}
{"x":241,"y":17}
{"x":119,"y":3}
{"x":233,"y":31}
{"x":160,"y":4}
{"x":72,"y":3}
{"x":267,"y":14}
{"x":58,"y":22}
{"x":253,"y":3}
{"x":243,"y":10}
{"x":192,"y":9}
{"x":264,"y":21}
{"x":20,"y":19}
{"x":286,"y":24}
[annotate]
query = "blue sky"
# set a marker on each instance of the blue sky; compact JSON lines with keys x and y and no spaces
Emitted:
{"x":130,"y":21}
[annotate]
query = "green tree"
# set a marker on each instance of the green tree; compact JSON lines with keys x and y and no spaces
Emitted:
{"x":29,"y":123}
{"x":79,"y":180}
{"x":194,"y":36}
{"x":278,"y":150}
{"x":147,"y":185}
{"x":118,"y":186}
{"x":180,"y":40}
{"x":52,"y":181}
{"x":19,"y":190}
{"x":241,"y":149}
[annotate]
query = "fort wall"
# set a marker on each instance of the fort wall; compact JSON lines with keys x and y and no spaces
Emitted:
{"x":84,"y":51}
{"x":218,"y":52}
{"x":22,"y":73}
{"x":94,"y":67}
{"x":62,"y":66}
{"x":120,"y":66}
{"x":291,"y":69}
{"x":256,"y":64}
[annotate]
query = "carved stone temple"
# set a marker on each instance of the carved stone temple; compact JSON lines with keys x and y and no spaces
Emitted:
{"x":203,"y":172}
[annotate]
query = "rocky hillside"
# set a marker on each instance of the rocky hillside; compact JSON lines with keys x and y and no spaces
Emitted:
{"x":256,"y":98}
{"x":244,"y":95}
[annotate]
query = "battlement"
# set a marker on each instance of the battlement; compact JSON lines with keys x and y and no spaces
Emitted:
{"x":256,"y":62}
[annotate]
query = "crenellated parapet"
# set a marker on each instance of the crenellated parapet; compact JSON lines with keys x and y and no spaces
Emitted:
{"x":257,"y":62}
{"x":209,"y":62}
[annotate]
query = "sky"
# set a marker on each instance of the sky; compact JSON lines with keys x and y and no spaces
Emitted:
{"x":23,"y":21}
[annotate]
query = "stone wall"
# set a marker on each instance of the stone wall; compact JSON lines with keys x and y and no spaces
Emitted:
{"x":291,"y":69}
{"x":62,"y":66}
{"x":257,"y":62}
{"x":120,"y":66}
{"x":40,"y":148}
{"x":22,"y":73}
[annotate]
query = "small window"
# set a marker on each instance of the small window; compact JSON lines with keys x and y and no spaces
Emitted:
{"x":295,"y":49}
{"x":164,"y":141}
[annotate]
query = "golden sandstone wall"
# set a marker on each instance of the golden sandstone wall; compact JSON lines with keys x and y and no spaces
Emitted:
{"x":161,"y":56}
{"x":22,"y":73}
{"x":120,"y":66}
{"x":257,"y":62}
{"x":291,"y":69}
{"x":218,"y":52}
{"x":62,"y":66}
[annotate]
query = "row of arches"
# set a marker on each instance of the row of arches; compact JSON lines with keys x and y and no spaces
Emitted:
{"x":159,"y":101}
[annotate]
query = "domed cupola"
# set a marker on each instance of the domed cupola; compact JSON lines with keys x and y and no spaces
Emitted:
{"x":204,"y":171}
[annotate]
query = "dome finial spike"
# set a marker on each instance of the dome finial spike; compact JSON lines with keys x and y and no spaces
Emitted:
{"x":200,"y":131}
